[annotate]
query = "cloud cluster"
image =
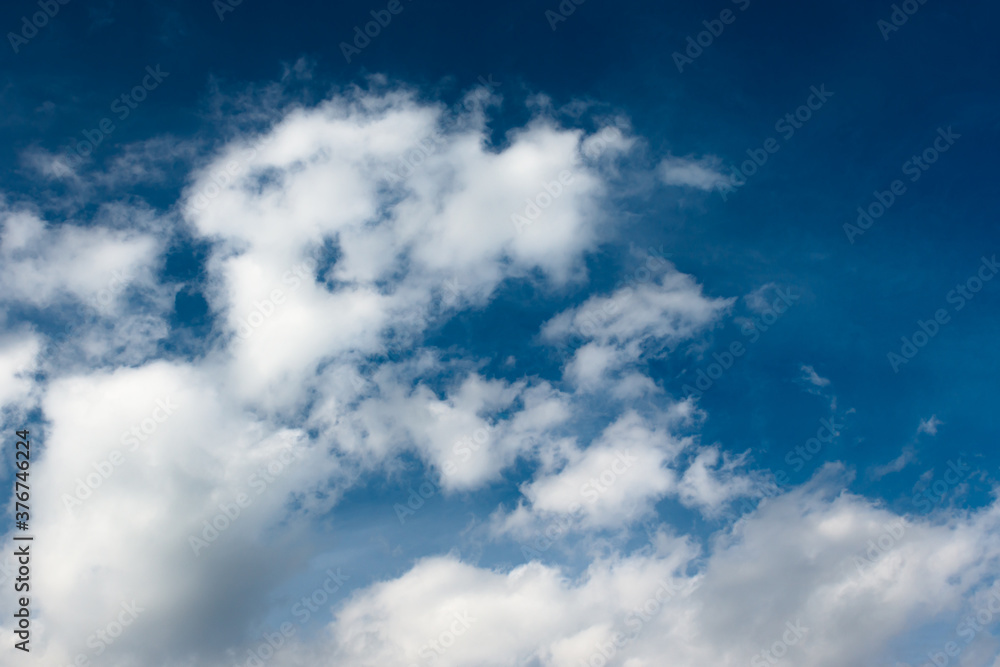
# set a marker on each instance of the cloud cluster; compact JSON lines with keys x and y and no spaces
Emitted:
{"x":788,"y":585}
{"x":340,"y":239}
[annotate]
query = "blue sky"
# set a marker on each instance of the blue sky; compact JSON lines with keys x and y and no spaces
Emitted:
{"x":482,"y":255}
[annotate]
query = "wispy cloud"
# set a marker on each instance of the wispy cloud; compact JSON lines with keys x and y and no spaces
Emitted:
{"x":701,"y":173}
{"x":929,"y":426}
{"x":810,"y":375}
{"x":897,"y":464}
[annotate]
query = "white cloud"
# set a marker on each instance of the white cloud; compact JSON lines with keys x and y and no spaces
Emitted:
{"x":613,"y":481}
{"x":44,"y":264}
{"x":448,"y":221}
{"x":460,"y":436}
{"x":907,"y":457}
{"x":616,"y":479}
{"x":299,"y":365}
{"x":929,"y":426}
{"x":632,"y":322}
{"x":18,"y":359}
{"x":810,"y":375}
{"x":715,"y":478}
{"x":701,"y":174}
{"x":802,"y":561}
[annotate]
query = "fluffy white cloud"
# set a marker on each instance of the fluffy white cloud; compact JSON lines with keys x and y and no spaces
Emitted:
{"x":817,"y":577}
{"x":152,"y":485}
{"x":715,"y":478}
{"x":18,"y":358}
{"x":612,"y":482}
{"x":43,"y":264}
{"x":634,"y":321}
{"x":424,"y":216}
{"x":146,"y":462}
{"x":460,"y":436}
{"x":616,"y":479}
{"x":196,"y":489}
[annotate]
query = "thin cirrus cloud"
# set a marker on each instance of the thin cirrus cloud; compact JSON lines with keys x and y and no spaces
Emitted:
{"x":701,"y":173}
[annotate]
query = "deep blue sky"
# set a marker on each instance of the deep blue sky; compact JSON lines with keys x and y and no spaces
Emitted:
{"x":890,"y":97}
{"x":785,"y":226}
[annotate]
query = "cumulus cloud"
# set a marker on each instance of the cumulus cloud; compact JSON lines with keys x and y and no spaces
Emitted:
{"x":618,"y":477}
{"x":198,"y":489}
{"x":45,"y":264}
{"x":612,"y":482}
{"x":795,"y":579}
{"x":461,"y":436}
{"x":715,"y":478}
{"x":634,"y":321}
{"x":423,"y":216}
{"x":147,"y":461}
{"x":18,"y":360}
